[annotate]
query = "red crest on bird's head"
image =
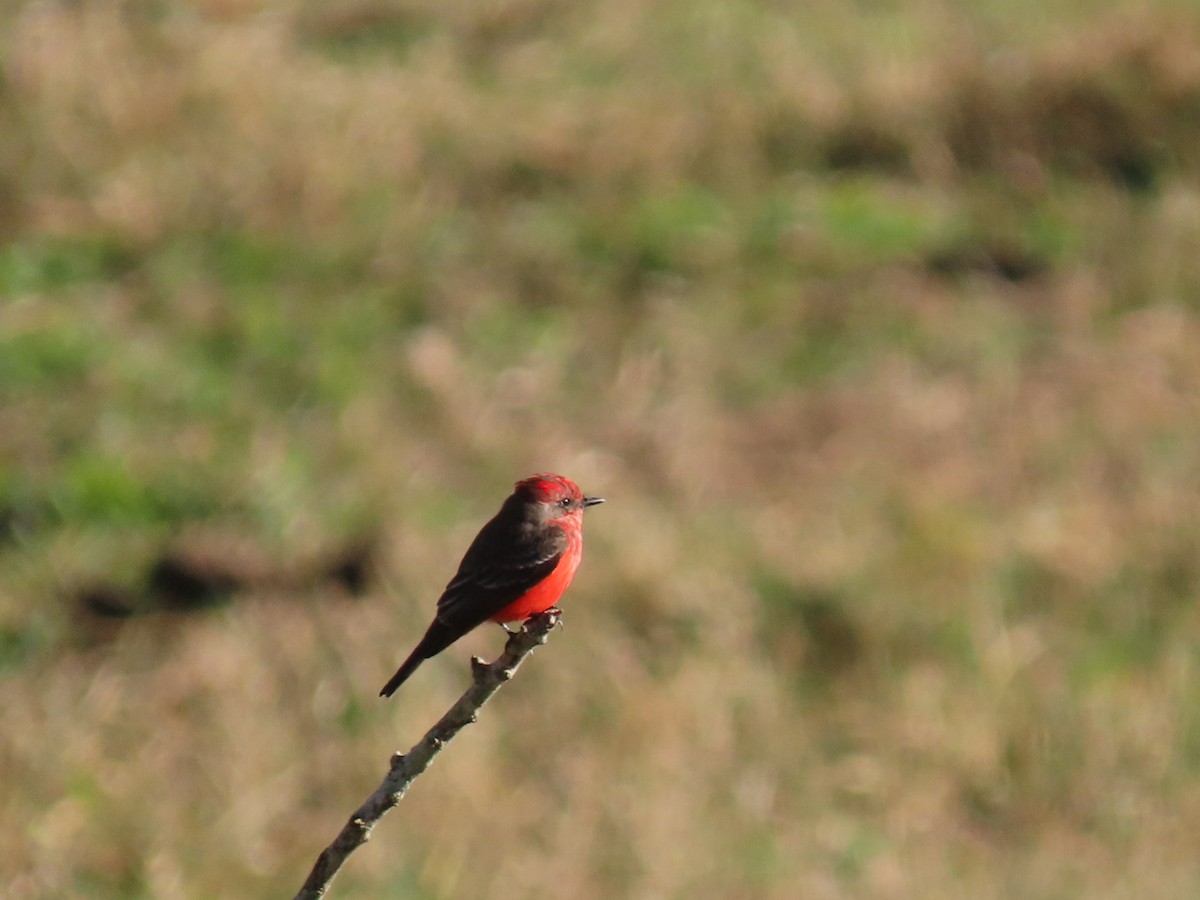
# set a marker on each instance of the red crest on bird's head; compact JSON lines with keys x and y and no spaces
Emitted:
{"x":548,"y":488}
{"x":554,"y":496}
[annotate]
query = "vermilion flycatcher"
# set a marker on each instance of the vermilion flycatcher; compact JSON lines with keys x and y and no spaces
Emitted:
{"x":518,"y":565}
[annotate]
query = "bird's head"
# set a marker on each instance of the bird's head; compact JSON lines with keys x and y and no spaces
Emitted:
{"x":554,"y":497}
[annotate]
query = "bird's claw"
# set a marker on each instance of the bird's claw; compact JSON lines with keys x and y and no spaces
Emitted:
{"x":553,"y":613}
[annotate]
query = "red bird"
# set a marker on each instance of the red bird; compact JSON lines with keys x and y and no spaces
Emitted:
{"x":518,"y":565}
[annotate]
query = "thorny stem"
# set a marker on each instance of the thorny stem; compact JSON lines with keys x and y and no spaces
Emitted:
{"x":405,"y":767}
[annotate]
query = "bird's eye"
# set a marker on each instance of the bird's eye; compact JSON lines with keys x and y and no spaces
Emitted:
{"x":565,"y":502}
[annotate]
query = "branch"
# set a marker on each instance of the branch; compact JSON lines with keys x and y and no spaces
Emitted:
{"x":488,"y":677}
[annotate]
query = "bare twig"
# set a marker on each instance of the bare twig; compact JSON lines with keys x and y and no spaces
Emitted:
{"x":405,"y":767}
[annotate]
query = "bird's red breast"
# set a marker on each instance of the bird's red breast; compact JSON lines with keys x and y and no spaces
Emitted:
{"x":547,"y":592}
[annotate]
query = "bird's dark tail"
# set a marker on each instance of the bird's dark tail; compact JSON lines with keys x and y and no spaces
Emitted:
{"x":437,"y":638}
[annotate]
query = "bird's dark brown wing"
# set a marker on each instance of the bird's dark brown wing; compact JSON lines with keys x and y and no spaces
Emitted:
{"x":501,"y":565}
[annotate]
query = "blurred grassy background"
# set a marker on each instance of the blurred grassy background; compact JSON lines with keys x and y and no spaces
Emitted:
{"x":877,"y":324}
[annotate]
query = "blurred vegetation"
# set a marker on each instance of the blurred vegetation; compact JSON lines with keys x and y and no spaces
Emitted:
{"x":876,"y":323}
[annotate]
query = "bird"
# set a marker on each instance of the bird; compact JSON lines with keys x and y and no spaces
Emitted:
{"x":519,"y":565}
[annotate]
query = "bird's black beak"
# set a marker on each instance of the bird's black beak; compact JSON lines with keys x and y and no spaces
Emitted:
{"x":592,"y":501}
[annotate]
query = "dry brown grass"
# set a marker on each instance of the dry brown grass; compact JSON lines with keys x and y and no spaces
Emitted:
{"x":877,"y":328}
